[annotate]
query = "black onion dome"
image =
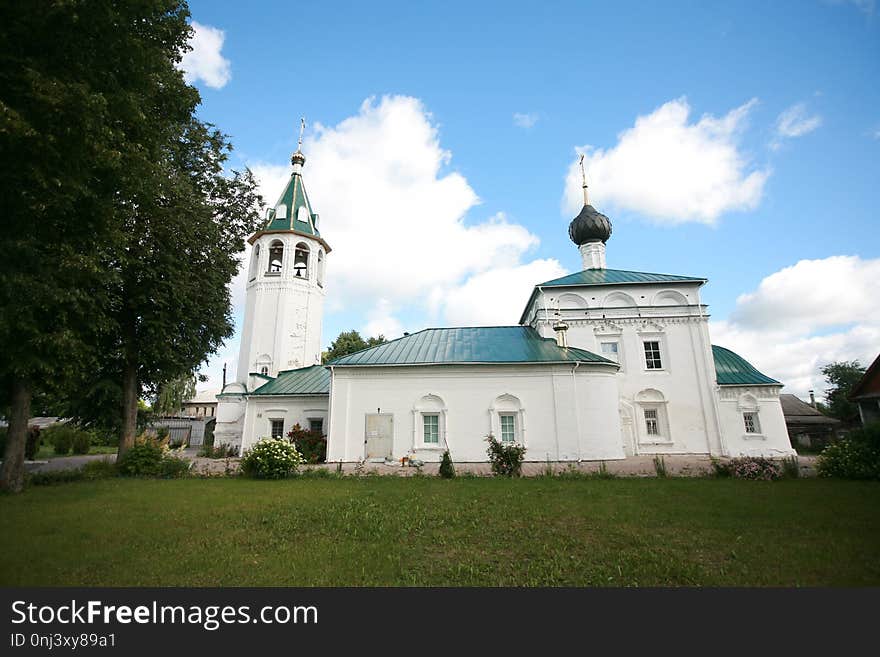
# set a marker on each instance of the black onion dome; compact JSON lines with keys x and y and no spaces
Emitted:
{"x":589,"y":226}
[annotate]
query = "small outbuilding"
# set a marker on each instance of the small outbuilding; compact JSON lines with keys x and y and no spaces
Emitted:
{"x":807,"y":425}
{"x":866,"y":393}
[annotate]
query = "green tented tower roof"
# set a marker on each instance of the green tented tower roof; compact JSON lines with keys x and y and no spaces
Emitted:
{"x":293,"y":198}
{"x":482,"y":344}
{"x":314,"y":380}
{"x":731,"y":369}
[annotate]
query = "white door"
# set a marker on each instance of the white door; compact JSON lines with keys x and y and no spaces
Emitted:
{"x":379,"y":435}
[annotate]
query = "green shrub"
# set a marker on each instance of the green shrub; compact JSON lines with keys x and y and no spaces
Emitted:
{"x":312,"y":445}
{"x":171,"y":467}
{"x":271,"y":458}
{"x":143,"y":459}
{"x":855,"y":457}
{"x":60,"y":436}
{"x":221,"y":451}
{"x":82,"y":441}
{"x":447,"y":469}
{"x":32,"y":443}
{"x":506,"y":458}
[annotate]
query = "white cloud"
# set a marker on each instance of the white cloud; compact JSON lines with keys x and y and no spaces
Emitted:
{"x":205,"y":61}
{"x":382,"y":321}
{"x":394,"y":214}
{"x":805,"y":316}
{"x":670,"y":169}
{"x":525,"y":120}
{"x":496,"y":297}
{"x":796,"y":121}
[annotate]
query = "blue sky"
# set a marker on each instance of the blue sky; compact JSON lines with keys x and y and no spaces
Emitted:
{"x":734,"y":141}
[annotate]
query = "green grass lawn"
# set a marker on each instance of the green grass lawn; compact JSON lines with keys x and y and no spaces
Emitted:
{"x":485,"y":532}
{"x":47,"y":452}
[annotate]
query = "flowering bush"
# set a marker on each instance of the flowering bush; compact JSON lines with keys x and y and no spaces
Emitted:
{"x":855,"y":457}
{"x":748,"y":467}
{"x":506,"y":458}
{"x":271,"y":458}
{"x":311,"y":444}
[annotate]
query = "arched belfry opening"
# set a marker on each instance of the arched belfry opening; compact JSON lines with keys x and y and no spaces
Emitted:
{"x":301,"y":260}
{"x":276,"y":258}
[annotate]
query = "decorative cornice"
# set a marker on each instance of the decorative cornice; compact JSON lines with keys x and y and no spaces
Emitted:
{"x":733,"y":393}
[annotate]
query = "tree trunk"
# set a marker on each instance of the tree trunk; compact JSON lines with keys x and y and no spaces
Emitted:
{"x":12,"y":471}
{"x":129,"y":408}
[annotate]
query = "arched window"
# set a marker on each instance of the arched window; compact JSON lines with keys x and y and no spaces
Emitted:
{"x":281,"y":211}
{"x":320,"y":268}
{"x":655,"y":422}
{"x":255,"y":263}
{"x":264,"y":370}
{"x":276,"y":258}
{"x":429,"y":423}
{"x":506,"y":419}
{"x":301,"y":261}
{"x":748,"y":406}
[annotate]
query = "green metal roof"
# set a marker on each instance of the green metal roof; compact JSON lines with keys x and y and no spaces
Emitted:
{"x":314,"y":380}
{"x":484,"y":344}
{"x":733,"y":370}
{"x":617,"y":277}
{"x":294,"y":197}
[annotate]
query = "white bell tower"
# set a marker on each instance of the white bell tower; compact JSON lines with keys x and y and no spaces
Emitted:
{"x":285,"y":287}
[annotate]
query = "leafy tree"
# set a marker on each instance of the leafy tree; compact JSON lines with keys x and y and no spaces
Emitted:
{"x":73,"y":77}
{"x":120,"y":228}
{"x":171,"y":395}
{"x":349,"y":342}
{"x":185,"y":232}
{"x":842,"y":376}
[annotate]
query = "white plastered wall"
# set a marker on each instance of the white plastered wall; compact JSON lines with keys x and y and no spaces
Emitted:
{"x":291,"y":409}
{"x":630,"y":315}
{"x":283,"y":313}
{"x":772,"y":438}
{"x":563,"y":412}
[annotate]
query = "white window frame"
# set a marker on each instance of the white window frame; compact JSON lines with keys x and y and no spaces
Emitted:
{"x":429,"y":404}
{"x":501,"y":417}
{"x":663,"y":436}
{"x":508,"y":404}
{"x":436,"y":417}
{"x":273,"y":420}
{"x":603,"y":340}
{"x":316,"y":419}
{"x":661,"y":354}
{"x":755,"y":421}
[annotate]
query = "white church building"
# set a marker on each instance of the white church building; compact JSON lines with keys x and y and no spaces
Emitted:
{"x":604,"y":364}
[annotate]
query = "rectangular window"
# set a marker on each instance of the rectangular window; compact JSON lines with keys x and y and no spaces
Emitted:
{"x":316,"y":424}
{"x":651,"y":424}
{"x":652,"y":355}
{"x":508,"y":428}
{"x":431,"y":424}
{"x":751,"y":422}
{"x":610,"y":351}
{"x":277,"y":428}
